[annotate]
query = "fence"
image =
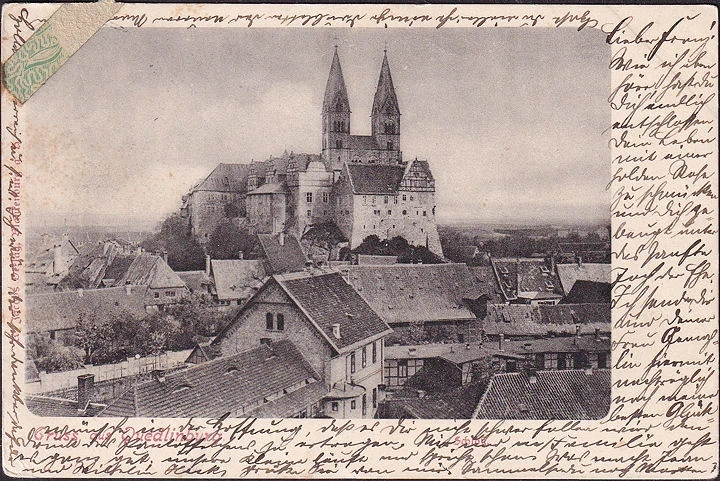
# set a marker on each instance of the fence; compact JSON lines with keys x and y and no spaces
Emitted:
{"x":132,"y":367}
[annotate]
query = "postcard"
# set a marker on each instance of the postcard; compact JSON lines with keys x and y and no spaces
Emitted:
{"x":361,"y":241}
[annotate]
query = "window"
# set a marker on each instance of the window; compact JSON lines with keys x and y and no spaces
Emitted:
{"x":389,"y":212}
{"x":602,"y":360}
{"x":170,"y":293}
{"x":157,"y":295}
{"x":424,"y":213}
{"x":308,"y":213}
{"x":269,"y":321}
{"x":389,"y":144}
{"x":364,"y":404}
{"x":325,"y":197}
{"x":264,"y":340}
{"x":280,"y":322}
{"x":404,"y":197}
{"x":395,"y":199}
{"x":404,"y":212}
{"x":52,"y":335}
{"x":352,"y":363}
{"x":374,"y":397}
{"x":364,"y":356}
{"x":551,"y":360}
{"x":334,"y":406}
{"x":374,"y":352}
{"x":412,"y":198}
{"x":353,"y":404}
{"x":385,"y":199}
{"x":308,"y":197}
{"x":389,"y":127}
{"x":338,"y":144}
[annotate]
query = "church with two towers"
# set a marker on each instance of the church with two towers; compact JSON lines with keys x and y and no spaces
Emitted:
{"x":359,"y":182}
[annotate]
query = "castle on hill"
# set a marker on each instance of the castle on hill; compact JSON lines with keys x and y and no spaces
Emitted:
{"x":359,"y":182}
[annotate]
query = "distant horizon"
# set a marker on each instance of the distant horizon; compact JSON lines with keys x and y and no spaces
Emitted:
{"x":514,"y":135}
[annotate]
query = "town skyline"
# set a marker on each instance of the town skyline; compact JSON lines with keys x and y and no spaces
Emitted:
{"x":479,"y":177}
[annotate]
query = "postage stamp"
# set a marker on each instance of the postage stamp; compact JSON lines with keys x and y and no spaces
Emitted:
{"x":392,"y":241}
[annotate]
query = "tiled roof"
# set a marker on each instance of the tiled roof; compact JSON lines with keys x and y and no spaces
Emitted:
{"x":565,"y":394}
{"x":375,"y":178}
{"x":362,"y":142}
{"x":57,"y":407}
{"x":416,"y":292}
{"x":44,"y":260}
{"x":371,"y":260}
{"x":273,"y":188}
{"x":524,"y":277}
{"x":589,"y":292}
{"x":226,"y":178}
{"x":457,"y":403}
{"x":237,"y":279}
{"x":214,"y":388}
{"x":88,"y":268}
{"x":288,"y":257}
{"x":527,"y":320}
{"x":486,"y":280}
{"x":570,"y":273}
{"x":152,"y":271}
{"x":560,"y":344}
{"x":119,"y":267}
{"x":194,"y":280}
{"x":292,"y":403}
{"x":61,"y":310}
{"x":327,"y":299}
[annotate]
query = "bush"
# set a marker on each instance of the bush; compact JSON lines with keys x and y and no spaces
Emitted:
{"x":58,"y":357}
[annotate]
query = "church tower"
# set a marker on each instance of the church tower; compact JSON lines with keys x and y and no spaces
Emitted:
{"x":336,"y":118}
{"x":385,"y":115}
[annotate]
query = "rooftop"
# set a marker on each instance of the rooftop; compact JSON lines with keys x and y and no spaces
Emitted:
{"x":237,"y":279}
{"x":283,"y":252}
{"x":570,"y":273}
{"x":564,"y":394}
{"x":375,"y":178}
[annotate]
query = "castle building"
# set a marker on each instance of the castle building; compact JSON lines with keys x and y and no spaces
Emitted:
{"x":358,"y":182}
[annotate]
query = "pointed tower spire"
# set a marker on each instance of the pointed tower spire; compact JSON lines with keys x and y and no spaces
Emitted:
{"x":335,"y":90}
{"x":385,"y":94}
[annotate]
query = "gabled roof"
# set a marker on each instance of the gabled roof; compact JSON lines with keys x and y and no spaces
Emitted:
{"x":385,"y":93}
{"x":326,"y":299}
{"x":416,"y":292}
{"x":226,"y":178}
{"x":570,"y":273}
{"x":589,"y":292}
{"x":456,"y":403}
{"x":48,"y":406}
{"x":375,"y":178}
{"x":152,"y":271}
{"x":237,"y":279}
{"x":272,"y":188}
{"x":525,"y":277}
{"x":285,"y":257}
{"x":566,"y":394}
{"x":527,"y":320}
{"x":235,"y":384}
{"x":61,"y":310}
{"x":485,"y":278}
{"x":194,"y":280}
{"x":363,"y":142}
{"x":335,"y":88}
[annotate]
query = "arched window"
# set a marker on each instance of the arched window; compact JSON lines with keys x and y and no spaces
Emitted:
{"x":389,"y":144}
{"x":389,"y":127}
{"x":269,"y":321}
{"x":280,"y":322}
{"x":339,"y":106}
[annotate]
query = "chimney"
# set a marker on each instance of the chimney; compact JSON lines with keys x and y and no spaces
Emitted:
{"x":588,"y":370}
{"x":164,"y":256}
{"x":128,"y":289}
{"x":336,"y":331}
{"x":57,"y":260}
{"x":80,"y":292}
{"x":552,"y":262}
{"x":532,"y":376}
{"x":421,"y":394}
{"x":241,"y":255}
{"x":501,"y":338}
{"x":86,"y":382}
{"x":597,"y":333}
{"x":159,"y":375}
{"x":207,"y":265}
{"x":281,"y":238}
{"x":579,"y":261}
{"x":577,"y":330}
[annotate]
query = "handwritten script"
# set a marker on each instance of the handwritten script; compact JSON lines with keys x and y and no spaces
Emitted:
{"x":663,"y":182}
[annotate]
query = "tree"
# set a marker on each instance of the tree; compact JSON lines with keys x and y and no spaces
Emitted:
{"x":57,"y":357}
{"x":94,"y":336}
{"x":174,"y":237}
{"x":228,"y":240}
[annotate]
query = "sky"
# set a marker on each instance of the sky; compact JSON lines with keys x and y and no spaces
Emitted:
{"x":513,"y":121}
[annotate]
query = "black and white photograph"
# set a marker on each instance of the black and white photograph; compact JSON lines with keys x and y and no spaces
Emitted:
{"x":342,"y":224}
